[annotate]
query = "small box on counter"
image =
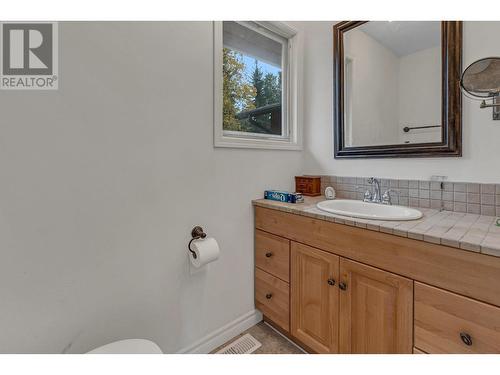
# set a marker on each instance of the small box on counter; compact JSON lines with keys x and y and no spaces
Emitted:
{"x":308,"y":185}
{"x":283,"y":196}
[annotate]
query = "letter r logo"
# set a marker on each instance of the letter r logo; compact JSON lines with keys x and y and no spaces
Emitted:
{"x":27,"y":48}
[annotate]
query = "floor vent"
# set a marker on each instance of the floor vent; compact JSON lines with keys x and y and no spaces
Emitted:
{"x":246,"y":344}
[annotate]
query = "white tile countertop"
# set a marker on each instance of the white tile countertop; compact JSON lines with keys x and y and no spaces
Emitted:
{"x":472,"y":232}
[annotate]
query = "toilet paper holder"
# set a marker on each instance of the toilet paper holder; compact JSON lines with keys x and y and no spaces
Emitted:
{"x":196,"y":234}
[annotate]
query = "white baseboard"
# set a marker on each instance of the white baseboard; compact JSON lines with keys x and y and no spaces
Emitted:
{"x":223,"y":334}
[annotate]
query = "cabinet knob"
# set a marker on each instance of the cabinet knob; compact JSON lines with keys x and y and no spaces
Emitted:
{"x":269,"y":295}
{"x":466,"y":338}
{"x":343,"y":286}
{"x":269,"y":254}
{"x":331,"y":282}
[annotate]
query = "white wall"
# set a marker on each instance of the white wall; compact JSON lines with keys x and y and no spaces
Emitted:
{"x":420,"y":87}
{"x":481,"y":135}
{"x":374,"y":117}
{"x":102,"y":182}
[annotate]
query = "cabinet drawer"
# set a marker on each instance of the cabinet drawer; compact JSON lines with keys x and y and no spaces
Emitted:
{"x":448,"y":323}
{"x":272,"y":298}
{"x":272,"y":254}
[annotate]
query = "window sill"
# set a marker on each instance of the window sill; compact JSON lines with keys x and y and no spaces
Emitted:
{"x":232,"y":142}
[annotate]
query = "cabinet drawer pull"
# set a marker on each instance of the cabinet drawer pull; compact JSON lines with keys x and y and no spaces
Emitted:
{"x":343,"y":286}
{"x":269,"y":295}
{"x":466,"y":338}
{"x":331,"y":282}
{"x":269,"y":254}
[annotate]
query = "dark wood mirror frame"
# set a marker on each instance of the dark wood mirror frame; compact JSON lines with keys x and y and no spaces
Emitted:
{"x":451,"y":108}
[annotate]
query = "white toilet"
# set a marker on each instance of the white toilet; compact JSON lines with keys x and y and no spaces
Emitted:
{"x":130,"y":346}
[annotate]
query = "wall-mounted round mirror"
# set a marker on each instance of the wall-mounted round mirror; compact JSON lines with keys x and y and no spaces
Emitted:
{"x":481,"y":79}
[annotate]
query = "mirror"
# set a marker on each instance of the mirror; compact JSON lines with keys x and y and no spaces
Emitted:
{"x":481,"y":80}
{"x":397,"y":90}
{"x":392,"y":71}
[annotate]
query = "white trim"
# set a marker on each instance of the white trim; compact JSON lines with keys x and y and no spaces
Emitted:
{"x":291,"y":93}
{"x":218,"y":81}
{"x":222,"y":335}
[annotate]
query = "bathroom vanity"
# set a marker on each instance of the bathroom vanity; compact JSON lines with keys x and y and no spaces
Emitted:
{"x":342,"y":285}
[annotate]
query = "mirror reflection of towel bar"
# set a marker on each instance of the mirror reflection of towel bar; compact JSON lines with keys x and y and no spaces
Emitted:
{"x":406,"y":129}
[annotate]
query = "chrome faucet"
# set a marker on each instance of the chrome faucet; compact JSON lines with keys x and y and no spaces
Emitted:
{"x":375,"y":194}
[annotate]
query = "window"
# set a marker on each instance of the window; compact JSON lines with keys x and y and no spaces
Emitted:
{"x":255,"y":85}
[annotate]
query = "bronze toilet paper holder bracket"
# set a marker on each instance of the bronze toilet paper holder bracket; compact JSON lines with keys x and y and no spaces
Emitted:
{"x":196,"y":234}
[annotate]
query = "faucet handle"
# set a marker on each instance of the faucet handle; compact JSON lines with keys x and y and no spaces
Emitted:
{"x":386,"y":197}
{"x":367,"y":195}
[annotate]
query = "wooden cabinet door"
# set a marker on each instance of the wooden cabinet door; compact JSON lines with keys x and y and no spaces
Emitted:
{"x":376,"y":310}
{"x":314,"y":298}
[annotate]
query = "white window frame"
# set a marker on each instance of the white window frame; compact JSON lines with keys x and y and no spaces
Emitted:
{"x":291,"y":103}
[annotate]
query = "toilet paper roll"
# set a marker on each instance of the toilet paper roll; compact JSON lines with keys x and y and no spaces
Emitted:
{"x":206,"y":250}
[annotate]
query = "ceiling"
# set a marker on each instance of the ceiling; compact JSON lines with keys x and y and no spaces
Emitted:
{"x":405,"y":37}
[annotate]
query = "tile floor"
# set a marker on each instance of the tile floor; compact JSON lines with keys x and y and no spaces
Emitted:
{"x":272,"y":342}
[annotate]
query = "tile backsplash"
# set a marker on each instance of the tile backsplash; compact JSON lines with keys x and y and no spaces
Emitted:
{"x":452,"y":196}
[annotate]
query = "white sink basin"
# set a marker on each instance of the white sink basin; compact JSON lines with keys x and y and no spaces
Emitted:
{"x":372,"y":211}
